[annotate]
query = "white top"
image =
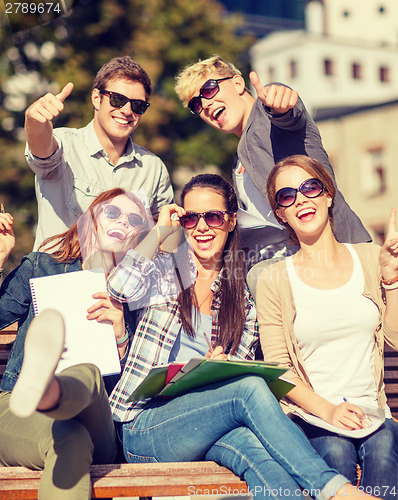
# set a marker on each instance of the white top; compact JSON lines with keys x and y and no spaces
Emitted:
{"x":79,"y":170}
{"x":335,"y":333}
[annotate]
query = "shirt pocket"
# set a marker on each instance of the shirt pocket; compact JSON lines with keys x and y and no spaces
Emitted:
{"x":82,"y":194}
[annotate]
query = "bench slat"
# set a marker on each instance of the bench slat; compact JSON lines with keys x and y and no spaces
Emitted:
{"x":167,"y":479}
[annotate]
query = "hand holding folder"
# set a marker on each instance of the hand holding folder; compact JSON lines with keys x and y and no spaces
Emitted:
{"x":176,"y":379}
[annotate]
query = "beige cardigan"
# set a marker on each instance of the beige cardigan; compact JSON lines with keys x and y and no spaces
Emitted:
{"x":276,"y":312}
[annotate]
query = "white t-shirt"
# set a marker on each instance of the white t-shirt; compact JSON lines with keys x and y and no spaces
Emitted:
{"x":335,"y":333}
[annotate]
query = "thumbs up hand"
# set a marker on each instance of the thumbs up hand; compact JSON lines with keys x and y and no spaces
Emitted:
{"x":49,"y":106}
{"x":277,"y":97}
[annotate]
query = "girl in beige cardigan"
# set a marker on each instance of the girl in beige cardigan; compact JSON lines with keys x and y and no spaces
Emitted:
{"x":325,"y":313}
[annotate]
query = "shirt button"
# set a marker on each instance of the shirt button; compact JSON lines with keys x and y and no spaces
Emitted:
{"x":87,"y":190}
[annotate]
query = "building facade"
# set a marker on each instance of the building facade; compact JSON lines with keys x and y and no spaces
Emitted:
{"x":363,"y":149}
{"x":347,"y":55}
{"x":344,"y":65}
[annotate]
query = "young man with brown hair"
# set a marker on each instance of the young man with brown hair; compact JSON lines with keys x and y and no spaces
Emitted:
{"x":73,"y":166}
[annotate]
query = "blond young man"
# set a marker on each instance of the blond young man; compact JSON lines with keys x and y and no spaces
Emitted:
{"x":271,"y":126}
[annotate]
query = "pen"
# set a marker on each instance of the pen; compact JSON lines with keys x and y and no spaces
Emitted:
{"x":366,"y":419}
{"x":208,"y":342}
{"x":3,"y":212}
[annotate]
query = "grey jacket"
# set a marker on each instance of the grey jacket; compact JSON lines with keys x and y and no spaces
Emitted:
{"x":268,"y":139}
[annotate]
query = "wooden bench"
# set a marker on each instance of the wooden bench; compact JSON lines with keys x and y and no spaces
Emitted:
{"x":125,"y":480}
{"x":147,"y":480}
{"x":391,"y":378}
{"x":134,"y":480}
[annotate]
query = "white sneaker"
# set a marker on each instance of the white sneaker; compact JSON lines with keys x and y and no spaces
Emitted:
{"x":44,"y":345}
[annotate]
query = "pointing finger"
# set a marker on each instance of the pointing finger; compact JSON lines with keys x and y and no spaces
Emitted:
{"x":391,"y":222}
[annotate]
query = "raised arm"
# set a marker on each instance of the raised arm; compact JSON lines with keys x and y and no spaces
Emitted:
{"x":282,"y":127}
{"x":389,"y":269}
{"x":132,"y":280}
{"x":7,"y":238}
{"x":38,"y":122}
{"x":161,"y":235}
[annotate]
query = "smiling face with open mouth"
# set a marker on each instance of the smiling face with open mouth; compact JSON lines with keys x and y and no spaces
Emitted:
{"x":118,"y":223}
{"x":226,"y":111}
{"x":307,"y":216}
{"x":208,"y":243}
{"x":113,"y":123}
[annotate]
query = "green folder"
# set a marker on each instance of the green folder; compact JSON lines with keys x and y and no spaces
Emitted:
{"x":199,"y":372}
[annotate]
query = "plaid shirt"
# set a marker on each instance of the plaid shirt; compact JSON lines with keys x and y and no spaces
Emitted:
{"x":136,"y":278}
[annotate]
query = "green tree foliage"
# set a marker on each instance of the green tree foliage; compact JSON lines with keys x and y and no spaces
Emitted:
{"x":162,"y":35}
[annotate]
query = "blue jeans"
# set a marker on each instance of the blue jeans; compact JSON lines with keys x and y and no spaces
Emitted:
{"x":238,"y":424}
{"x":376,"y":454}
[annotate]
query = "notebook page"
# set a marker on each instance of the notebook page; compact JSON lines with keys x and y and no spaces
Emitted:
{"x":86,"y":341}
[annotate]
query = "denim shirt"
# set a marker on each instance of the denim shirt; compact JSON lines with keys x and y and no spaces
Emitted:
{"x":16,"y":305}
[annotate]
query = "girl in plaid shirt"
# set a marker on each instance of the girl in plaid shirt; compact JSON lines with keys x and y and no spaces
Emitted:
{"x":237,"y":423}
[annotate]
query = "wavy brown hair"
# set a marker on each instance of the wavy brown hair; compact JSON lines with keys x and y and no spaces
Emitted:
{"x":67,"y":246}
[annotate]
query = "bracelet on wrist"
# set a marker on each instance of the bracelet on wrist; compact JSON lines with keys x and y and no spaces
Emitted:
{"x":393,"y":286}
{"x":124,"y":339}
{"x":390,"y":281}
{"x":390,"y":284}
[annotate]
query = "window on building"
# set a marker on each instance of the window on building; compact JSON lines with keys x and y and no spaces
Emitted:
{"x":356,"y":71}
{"x":384,"y":74}
{"x":373,"y":173}
{"x":328,"y":67}
{"x":293,"y":68}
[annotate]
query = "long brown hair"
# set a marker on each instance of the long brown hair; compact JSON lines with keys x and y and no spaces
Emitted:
{"x":67,"y":246}
{"x":231,"y":317}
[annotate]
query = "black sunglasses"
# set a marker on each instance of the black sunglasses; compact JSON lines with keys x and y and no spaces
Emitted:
{"x":209,"y":90}
{"x":119,"y":100}
{"x":113,"y":212}
{"x":215,"y":218}
{"x":311,"y":188}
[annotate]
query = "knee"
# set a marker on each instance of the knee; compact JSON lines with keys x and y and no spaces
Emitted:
{"x":84,"y":380}
{"x":335,"y":450}
{"x":381,"y":447}
{"x":253,"y":386}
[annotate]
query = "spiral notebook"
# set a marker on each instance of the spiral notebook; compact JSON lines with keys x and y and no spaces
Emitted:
{"x":86,"y":341}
